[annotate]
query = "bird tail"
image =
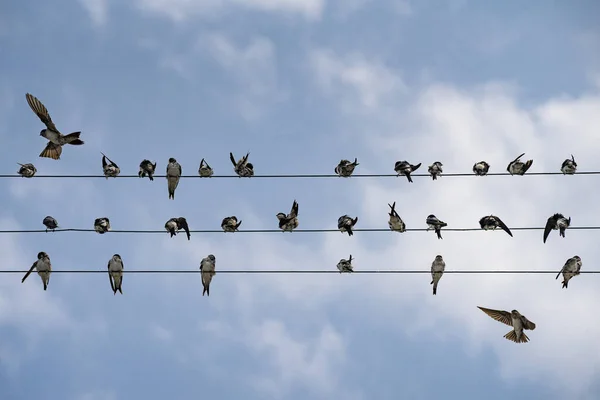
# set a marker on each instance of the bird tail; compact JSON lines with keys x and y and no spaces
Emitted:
{"x":439,"y":233}
{"x":350,"y":233}
{"x":408,"y":177}
{"x":565,"y":284}
{"x":527,"y":165}
{"x":434,"y":287}
{"x":562,"y":232}
{"x":512,"y":336}
{"x":434,"y":177}
{"x":172,"y":184}
{"x":73,"y":138}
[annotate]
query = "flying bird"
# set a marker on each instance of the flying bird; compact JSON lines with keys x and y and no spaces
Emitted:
{"x":147,"y":169}
{"x":102,"y":225}
{"x":173,"y":175}
{"x":345,"y":224}
{"x":289,"y":222}
{"x":27,"y":170}
{"x":56,"y":139}
{"x":242,"y":167}
{"x":569,"y":167}
{"x":437,"y":270}
{"x":345,"y":168}
{"x":345,"y":265}
{"x":434,"y":223}
{"x":43,"y":266}
{"x":230,"y":224}
{"x":481,"y":168}
{"x":395,"y":223}
{"x":406,"y":168}
{"x":110,"y":168}
{"x":207,"y":271}
{"x":557,"y":221}
{"x":571,"y":268}
{"x":492,"y":222}
{"x":517,"y":167}
{"x":50,"y":223}
{"x":115,"y":273}
{"x":514,"y":319}
{"x":204,"y":170}
{"x":176,"y":224}
{"x":435,"y":170}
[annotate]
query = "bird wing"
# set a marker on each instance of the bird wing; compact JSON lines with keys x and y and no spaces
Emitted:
{"x":295,"y":209}
{"x":502,"y":225}
{"x":527,"y":324}
{"x":104,"y":162}
{"x":232,"y":159}
{"x":179,"y":168}
{"x":549,"y":225}
{"x":498,"y":315}
{"x":182,"y":224}
{"x":415,"y":167}
{"x":52,"y":151}
{"x":29,"y":272}
{"x":517,"y":159}
{"x":562,"y":269}
{"x":110,"y":278}
{"x":41,"y":111}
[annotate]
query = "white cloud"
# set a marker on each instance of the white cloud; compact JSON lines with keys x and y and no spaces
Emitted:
{"x":97,"y":10}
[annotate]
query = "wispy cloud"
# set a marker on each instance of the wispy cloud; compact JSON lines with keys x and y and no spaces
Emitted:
{"x":97,"y":11}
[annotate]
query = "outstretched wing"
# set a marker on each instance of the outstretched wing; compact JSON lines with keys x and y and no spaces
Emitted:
{"x":232,"y":159}
{"x":29,"y":272}
{"x":41,"y":111}
{"x":498,"y":315}
{"x":527,"y":324}
{"x":549,"y":225}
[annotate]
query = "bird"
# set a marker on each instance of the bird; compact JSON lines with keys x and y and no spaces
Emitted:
{"x":517,"y":167}
{"x":481,"y":168}
{"x":345,"y":168}
{"x":102,"y":225}
{"x":395,"y":223}
{"x":434,"y":223}
{"x":557,"y":221}
{"x":173,"y":175}
{"x":115,"y":273}
{"x":50,"y":223}
{"x":147,"y":169}
{"x":569,"y":167}
{"x":437,"y":270}
{"x":205,"y":170}
{"x":515,"y":319}
{"x":491,"y":222}
{"x":571,"y":268}
{"x":43,"y":266}
{"x":406,"y":168}
{"x":345,"y":265}
{"x":110,"y":168}
{"x":345,"y":224}
{"x":435,"y":170}
{"x":56,"y":139}
{"x":230,"y":224}
{"x":27,"y":170}
{"x":176,"y":224}
{"x":207,"y":271}
{"x":242,"y":167}
{"x":289,"y":222}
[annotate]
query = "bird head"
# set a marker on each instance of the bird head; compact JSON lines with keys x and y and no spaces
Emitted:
{"x":42,"y":254}
{"x":211,"y":258}
{"x":172,"y":160}
{"x":280,"y":215}
{"x":116,"y":257}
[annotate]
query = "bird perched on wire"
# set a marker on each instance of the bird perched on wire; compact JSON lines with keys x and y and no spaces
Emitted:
{"x":481,"y":168}
{"x":27,"y":170}
{"x":345,"y":265}
{"x":115,"y":273}
{"x":345,"y":168}
{"x":491,"y":222}
{"x":437,"y":270}
{"x":102,"y":225}
{"x":345,"y":224}
{"x":395,"y":222}
{"x":289,"y":222}
{"x":557,"y":221}
{"x":436,"y":224}
{"x":514,"y":319}
{"x":517,"y":167}
{"x":43,"y":266}
{"x":147,"y":169}
{"x":435,"y":170}
{"x":176,"y":224}
{"x":207,"y":271}
{"x":571,"y":268}
{"x":405,"y":168}
{"x":569,"y":167}
{"x":50,"y":223}
{"x":204,"y":170}
{"x":56,"y":139}
{"x":230,"y":224}
{"x":242,"y":167}
{"x":110,"y":168}
{"x":173,"y":175}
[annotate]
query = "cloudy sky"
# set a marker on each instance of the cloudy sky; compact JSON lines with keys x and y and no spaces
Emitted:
{"x":300,"y":84}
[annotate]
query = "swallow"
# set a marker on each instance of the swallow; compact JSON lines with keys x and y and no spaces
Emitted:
{"x":437,"y":270}
{"x":230,"y":224}
{"x":205,"y":170}
{"x":27,"y":170}
{"x":557,"y":221}
{"x":102,"y":225}
{"x":207,"y":271}
{"x":571,"y":268}
{"x":435,"y":224}
{"x":147,"y":169}
{"x":395,"y":223}
{"x":50,"y":223}
{"x":514,"y":319}
{"x":173,"y":175}
{"x":289,"y":222}
{"x":569,"y":167}
{"x":176,"y":224}
{"x":481,"y":168}
{"x":345,"y":168}
{"x":492,"y":222}
{"x":242,"y":167}
{"x":435,"y":170}
{"x":345,"y":265}
{"x":406,"y":168}
{"x":115,"y":273}
{"x":517,"y":167}
{"x":43,"y":266}
{"x":110,"y":168}
{"x":345,"y":224}
{"x":56,"y":139}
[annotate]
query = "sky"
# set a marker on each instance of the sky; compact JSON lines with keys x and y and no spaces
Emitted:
{"x":300,"y":84}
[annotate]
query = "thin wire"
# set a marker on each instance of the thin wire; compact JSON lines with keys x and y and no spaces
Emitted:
{"x":332,"y":271}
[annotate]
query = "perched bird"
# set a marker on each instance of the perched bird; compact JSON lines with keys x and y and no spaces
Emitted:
{"x":27,"y":170}
{"x":242,"y":167}
{"x":56,"y":139}
{"x":345,"y":168}
{"x":434,"y":223}
{"x":406,"y":168}
{"x":517,"y":167}
{"x":557,"y":221}
{"x":205,"y":170}
{"x":571,"y":268}
{"x":102,"y":225}
{"x":514,"y":319}
{"x":437,"y":270}
{"x":569,"y":167}
{"x":115,"y":273}
{"x":481,"y":168}
{"x":176,"y":224}
{"x":173,"y":175}
{"x":345,"y":224}
{"x":110,"y":168}
{"x":492,"y":222}
{"x":207,"y":271}
{"x":289,"y":222}
{"x":230,"y":224}
{"x":147,"y":169}
{"x":345,"y":265}
{"x":50,"y":223}
{"x":395,"y":223}
{"x":435,"y":170}
{"x":43,"y":266}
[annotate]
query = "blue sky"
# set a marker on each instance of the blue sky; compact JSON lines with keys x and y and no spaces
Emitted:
{"x":300,"y":84}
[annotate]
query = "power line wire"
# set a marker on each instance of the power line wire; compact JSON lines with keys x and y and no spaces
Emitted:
{"x":332,"y":271}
